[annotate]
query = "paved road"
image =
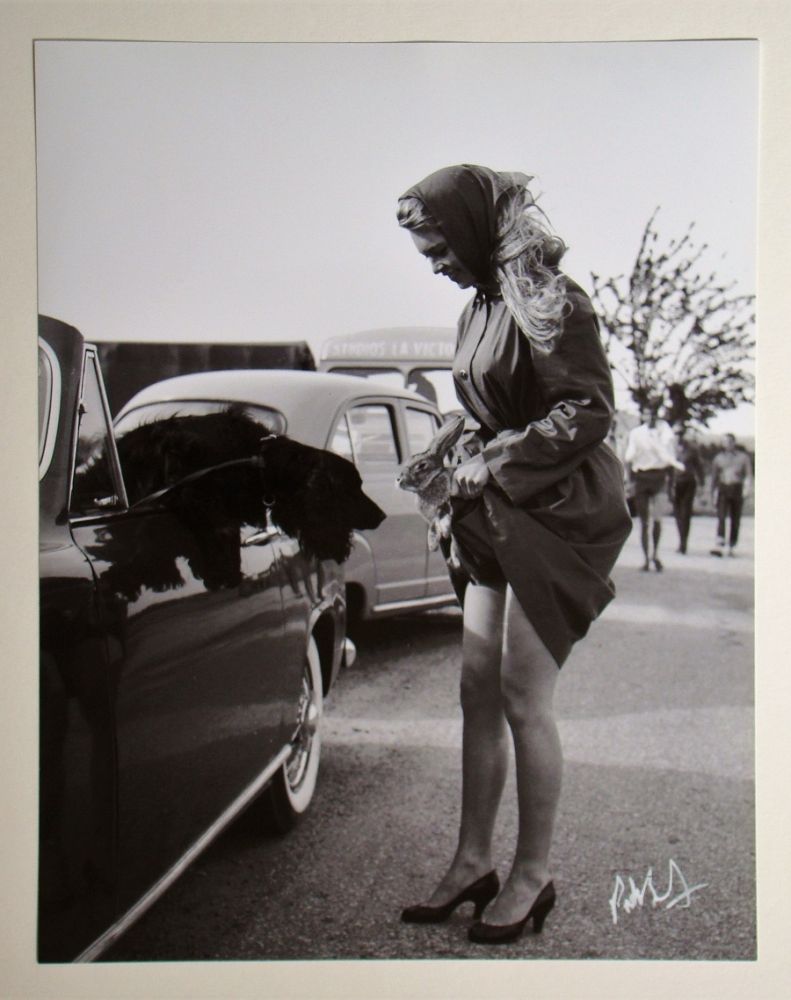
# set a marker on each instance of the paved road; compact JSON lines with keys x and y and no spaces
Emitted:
{"x":656,"y":718}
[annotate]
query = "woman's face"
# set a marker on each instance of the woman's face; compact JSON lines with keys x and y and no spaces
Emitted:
{"x":434,"y":247}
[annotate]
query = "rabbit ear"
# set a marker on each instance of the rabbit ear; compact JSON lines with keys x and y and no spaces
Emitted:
{"x":447,"y":435}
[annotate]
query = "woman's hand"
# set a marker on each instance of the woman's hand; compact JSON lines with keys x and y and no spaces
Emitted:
{"x":470,"y":477}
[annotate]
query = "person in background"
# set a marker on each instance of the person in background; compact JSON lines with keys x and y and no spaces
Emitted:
{"x":731,"y":480}
{"x":649,"y":460}
{"x":685,"y":483}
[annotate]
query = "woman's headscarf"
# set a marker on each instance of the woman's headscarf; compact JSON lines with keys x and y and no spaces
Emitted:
{"x":463,"y":201}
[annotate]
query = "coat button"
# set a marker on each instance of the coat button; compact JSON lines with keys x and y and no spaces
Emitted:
{"x":462,"y":373}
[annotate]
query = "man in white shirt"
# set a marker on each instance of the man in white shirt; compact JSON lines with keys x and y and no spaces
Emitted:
{"x":649,"y":459}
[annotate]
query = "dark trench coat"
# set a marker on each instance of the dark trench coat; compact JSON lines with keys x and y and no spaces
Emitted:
{"x":553,"y":517}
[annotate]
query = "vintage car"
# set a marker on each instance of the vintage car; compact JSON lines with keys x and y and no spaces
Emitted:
{"x":184,"y":663}
{"x":391,"y":569}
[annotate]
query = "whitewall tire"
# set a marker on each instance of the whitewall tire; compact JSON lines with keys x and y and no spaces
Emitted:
{"x":293,"y":787}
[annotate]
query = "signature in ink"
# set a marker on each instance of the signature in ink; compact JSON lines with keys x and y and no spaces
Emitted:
{"x":628,"y":896}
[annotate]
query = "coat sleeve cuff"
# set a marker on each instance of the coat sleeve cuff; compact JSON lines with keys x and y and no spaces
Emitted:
{"x":516,"y":487}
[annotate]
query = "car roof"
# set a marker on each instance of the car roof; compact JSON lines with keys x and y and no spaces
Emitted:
{"x":309,"y":400}
{"x":443,"y":332}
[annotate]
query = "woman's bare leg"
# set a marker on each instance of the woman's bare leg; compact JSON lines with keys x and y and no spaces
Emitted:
{"x":528,"y":678}
{"x":484,"y":739}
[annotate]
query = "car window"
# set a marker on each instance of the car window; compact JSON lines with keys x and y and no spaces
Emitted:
{"x":374,"y":443}
{"x":391,"y":377}
{"x":48,"y":404}
{"x":436,"y":384}
{"x":95,"y":484}
{"x":341,"y":442}
{"x":420,"y":429}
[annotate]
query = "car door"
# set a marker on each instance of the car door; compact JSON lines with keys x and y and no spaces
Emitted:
{"x":77,"y":774}
{"x":197,"y":677}
{"x":368,"y":433}
{"x":421,"y":426}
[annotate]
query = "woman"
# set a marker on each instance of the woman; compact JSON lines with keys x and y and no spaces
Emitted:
{"x":539,"y":517}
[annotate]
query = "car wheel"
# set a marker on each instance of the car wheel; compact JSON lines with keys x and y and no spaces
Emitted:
{"x":291,"y":791}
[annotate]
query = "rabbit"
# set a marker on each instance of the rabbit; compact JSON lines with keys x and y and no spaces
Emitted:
{"x":427,"y":475}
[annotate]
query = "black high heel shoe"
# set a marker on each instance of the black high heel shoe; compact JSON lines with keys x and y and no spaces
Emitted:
{"x":481,"y":892}
{"x":483,"y":933}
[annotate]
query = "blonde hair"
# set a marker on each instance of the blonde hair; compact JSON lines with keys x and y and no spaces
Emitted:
{"x":524,"y":258}
{"x":412,"y":214}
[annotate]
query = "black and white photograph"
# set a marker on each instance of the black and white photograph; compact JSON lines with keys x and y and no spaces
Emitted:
{"x":396,"y":500}
{"x":397,"y":507}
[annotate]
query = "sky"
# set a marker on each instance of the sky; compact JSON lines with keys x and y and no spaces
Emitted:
{"x":246,"y":192}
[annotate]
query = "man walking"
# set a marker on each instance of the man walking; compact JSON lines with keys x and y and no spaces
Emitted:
{"x":649,"y":458}
{"x":685,"y":483}
{"x":731,"y":479}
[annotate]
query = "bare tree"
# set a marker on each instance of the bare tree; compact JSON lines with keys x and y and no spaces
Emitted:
{"x":675,"y":332}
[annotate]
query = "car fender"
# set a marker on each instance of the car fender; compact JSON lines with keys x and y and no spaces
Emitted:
{"x":360,"y":568}
{"x":327,"y":620}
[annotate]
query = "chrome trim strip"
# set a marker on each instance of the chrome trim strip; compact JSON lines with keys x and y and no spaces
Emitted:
{"x":419,"y":602}
{"x":90,"y":356}
{"x":419,"y":581}
{"x":112,"y":934}
{"x":108,"y":419}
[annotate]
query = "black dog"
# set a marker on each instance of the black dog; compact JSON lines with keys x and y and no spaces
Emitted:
{"x":229,"y":470}
{"x":161,"y":453}
{"x":316,"y":497}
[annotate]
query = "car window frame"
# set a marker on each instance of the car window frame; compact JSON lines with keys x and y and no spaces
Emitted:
{"x":90,"y":360}
{"x":50,"y":436}
{"x":342,"y":420}
{"x":436,"y":416}
{"x":391,"y":403}
{"x":398,"y":404}
{"x":223,"y":403}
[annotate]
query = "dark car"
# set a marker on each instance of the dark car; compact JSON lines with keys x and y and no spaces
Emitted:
{"x":183,"y":667}
{"x":390,"y":570}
